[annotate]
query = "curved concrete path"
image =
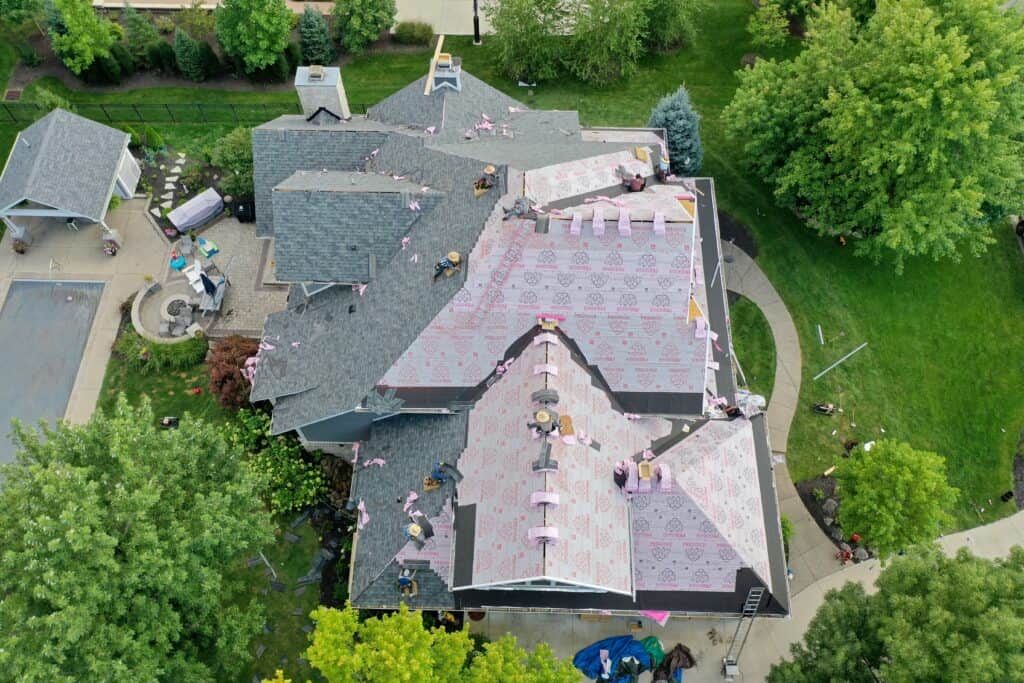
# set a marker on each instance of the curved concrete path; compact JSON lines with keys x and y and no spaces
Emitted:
{"x":811,"y":553}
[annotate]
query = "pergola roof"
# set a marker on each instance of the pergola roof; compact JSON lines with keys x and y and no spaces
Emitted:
{"x":65,"y":162}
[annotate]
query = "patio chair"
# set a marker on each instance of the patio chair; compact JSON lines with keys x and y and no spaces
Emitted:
{"x":193,"y":272}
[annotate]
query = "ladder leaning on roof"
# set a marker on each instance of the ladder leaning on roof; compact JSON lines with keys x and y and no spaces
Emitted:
{"x":731,"y":661}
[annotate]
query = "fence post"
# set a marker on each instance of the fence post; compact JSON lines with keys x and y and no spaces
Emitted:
{"x":103,"y":107}
{"x":8,"y":112}
{"x":202,"y":113}
{"x":170,"y":113}
{"x":138,"y":114}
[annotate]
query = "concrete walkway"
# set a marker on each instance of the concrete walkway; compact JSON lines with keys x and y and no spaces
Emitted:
{"x":811,"y":553}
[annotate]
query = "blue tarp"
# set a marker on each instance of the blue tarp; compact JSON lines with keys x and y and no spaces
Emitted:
{"x":588,"y":660}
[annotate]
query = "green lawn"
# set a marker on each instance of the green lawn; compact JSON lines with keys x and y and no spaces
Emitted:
{"x":942,"y":368}
{"x":755,"y":348}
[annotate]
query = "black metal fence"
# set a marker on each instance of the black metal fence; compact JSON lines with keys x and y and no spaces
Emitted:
{"x":202,"y":112}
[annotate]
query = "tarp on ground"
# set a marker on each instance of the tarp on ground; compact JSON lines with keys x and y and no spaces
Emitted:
{"x":196,"y":211}
{"x":588,"y":660}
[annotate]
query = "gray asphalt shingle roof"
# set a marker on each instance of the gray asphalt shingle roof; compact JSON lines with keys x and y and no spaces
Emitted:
{"x":66,"y":162}
{"x":342,"y":355}
{"x":336,"y":226}
{"x":410,"y":444}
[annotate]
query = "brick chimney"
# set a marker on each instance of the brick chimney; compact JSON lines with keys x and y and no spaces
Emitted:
{"x":320,"y":87}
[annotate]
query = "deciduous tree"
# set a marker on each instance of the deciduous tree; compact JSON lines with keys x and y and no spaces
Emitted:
{"x":607,"y":39}
{"x":233,"y":154}
{"x":80,"y":35}
{"x":901,"y":134}
{"x":933,"y":618}
{"x":315,"y":38}
{"x":16,"y":12}
{"x":681,"y":122}
{"x":347,"y":651}
{"x":894,"y":496}
{"x":528,"y":42}
{"x":360,"y":22}
{"x":254,"y":31}
{"x":671,"y":23}
{"x":121,"y":545}
{"x":768,"y":26}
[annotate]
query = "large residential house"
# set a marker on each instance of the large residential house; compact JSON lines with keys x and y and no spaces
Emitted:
{"x":532,"y":360}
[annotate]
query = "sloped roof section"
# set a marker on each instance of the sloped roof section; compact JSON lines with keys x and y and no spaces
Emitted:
{"x":711,"y":523}
{"x":66,"y":162}
{"x":335,"y":226}
{"x":592,"y":516}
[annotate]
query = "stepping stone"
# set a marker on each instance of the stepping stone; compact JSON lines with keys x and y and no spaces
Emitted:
{"x":264,"y":591}
{"x":291,"y":538}
{"x":278,"y":586}
{"x":155,"y":211}
{"x":308,"y":628}
{"x":167,"y":195}
{"x":300,"y":519}
{"x":300,"y":590}
{"x":176,"y":169}
{"x":298,"y":612}
{"x":169,"y":186}
{"x":253,"y":561}
{"x":216,"y":177}
{"x":166,"y":204}
{"x":162,"y":167}
{"x":171,"y":179}
{"x":260,"y":649}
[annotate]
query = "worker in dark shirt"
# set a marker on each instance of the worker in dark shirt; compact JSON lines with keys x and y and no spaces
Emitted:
{"x":636,"y":184}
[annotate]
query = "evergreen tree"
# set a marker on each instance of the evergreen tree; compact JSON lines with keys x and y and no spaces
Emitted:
{"x":186,"y":52}
{"x":315,"y":38}
{"x":139,"y":35}
{"x":681,"y":122}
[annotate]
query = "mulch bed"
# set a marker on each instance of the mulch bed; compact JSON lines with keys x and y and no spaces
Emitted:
{"x":733,"y":230}
{"x":194,"y":177}
{"x":815,"y":505}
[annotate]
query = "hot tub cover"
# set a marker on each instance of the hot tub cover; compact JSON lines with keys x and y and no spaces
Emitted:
{"x":196,"y":211}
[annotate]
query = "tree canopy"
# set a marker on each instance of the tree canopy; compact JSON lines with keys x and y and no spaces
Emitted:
{"x":527,"y":40}
{"x":254,"y":31}
{"x":121,"y":544}
{"x":933,"y":618}
{"x":15,"y":12}
{"x":345,"y":650}
{"x":681,"y":122}
{"x":79,"y":35}
{"x":901,"y":133}
{"x":360,"y":22}
{"x":894,"y":496}
{"x":315,"y":38}
{"x":233,"y":154}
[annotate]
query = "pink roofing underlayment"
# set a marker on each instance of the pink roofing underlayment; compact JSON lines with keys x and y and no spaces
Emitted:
{"x":583,"y":176}
{"x":624,"y":299}
{"x":438,"y":548}
{"x":695,"y":537}
{"x":592,"y":517}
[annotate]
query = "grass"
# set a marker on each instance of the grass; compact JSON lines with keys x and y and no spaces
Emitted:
{"x":754,"y":345}
{"x":942,"y":367}
{"x":290,"y":561}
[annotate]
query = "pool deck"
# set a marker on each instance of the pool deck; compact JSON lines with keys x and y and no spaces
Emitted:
{"x":61,"y":254}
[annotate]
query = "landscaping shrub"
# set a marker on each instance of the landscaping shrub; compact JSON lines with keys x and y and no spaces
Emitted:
{"x":787,"y":532}
{"x":147,"y":357}
{"x":47,"y":101}
{"x":186,"y":52}
{"x":315,"y":38}
{"x":607,"y":40}
{"x":670,"y":23}
{"x":527,"y":43}
{"x":293,"y":53}
{"x":140,"y":35}
{"x":28,"y":55}
{"x":102,"y":71}
{"x":681,"y":122}
{"x":196,"y":21}
{"x":212,"y":66}
{"x":360,"y":22}
{"x":278,"y":72}
{"x":233,"y":155}
{"x":225,"y":368}
{"x":288,"y":477}
{"x":414,"y":33}
{"x":768,"y":26}
{"x":164,"y":24}
{"x":152,"y":139}
{"x":160,"y":56}
{"x":135,"y":141}
{"x":123,"y":58}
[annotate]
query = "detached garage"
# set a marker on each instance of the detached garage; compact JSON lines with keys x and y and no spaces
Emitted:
{"x":68,"y":167}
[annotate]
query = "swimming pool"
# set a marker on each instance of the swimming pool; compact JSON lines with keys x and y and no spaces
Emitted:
{"x":43,"y":328}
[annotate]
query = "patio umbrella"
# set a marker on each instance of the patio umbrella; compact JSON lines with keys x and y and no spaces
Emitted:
{"x":208,"y":285}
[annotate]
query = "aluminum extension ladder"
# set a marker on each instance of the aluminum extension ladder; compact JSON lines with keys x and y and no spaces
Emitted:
{"x":731,"y":661}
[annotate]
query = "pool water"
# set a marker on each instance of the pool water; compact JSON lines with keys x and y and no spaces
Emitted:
{"x":44,"y":326}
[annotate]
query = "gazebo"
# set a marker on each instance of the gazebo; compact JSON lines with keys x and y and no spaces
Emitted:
{"x":67,"y":167}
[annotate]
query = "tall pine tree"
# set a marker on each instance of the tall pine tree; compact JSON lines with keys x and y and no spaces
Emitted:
{"x":315,"y":39}
{"x":681,"y":122}
{"x":186,"y":51}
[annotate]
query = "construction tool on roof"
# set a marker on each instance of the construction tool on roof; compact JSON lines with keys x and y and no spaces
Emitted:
{"x":448,"y":266}
{"x":565,"y":425}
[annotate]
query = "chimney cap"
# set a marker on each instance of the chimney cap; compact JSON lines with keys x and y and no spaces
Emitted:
{"x":316,"y":72}
{"x":317,"y":76}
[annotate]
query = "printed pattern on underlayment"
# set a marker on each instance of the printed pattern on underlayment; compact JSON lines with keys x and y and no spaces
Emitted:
{"x":583,"y":176}
{"x":592,"y":519}
{"x":624,"y":300}
{"x":438,"y":549}
{"x":711,"y":523}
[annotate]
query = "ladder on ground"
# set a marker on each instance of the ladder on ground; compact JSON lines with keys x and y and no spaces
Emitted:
{"x":731,"y":662}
